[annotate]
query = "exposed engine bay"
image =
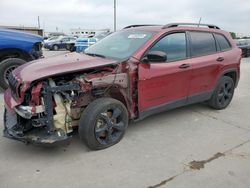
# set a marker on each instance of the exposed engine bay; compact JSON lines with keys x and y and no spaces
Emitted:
{"x":52,"y":107}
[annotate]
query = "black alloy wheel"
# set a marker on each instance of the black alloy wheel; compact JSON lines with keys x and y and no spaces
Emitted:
{"x":109,"y":126}
{"x":103,"y":123}
{"x":223,"y":93}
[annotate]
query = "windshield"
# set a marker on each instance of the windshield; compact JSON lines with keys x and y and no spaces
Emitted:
{"x":120,"y":45}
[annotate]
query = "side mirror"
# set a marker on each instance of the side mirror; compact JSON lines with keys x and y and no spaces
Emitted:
{"x":156,"y":56}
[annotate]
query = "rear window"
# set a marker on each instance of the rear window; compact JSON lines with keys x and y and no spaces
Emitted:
{"x":202,"y":43}
{"x":223,"y":42}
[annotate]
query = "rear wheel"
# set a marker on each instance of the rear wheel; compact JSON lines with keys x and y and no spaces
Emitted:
{"x":223,"y":93}
{"x":103,"y":123}
{"x":6,"y":67}
{"x":72,"y":48}
{"x":67,"y":46}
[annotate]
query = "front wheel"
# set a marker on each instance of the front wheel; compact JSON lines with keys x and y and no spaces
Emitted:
{"x":103,"y":123}
{"x":55,"y":47}
{"x":6,"y":67}
{"x":223,"y":93}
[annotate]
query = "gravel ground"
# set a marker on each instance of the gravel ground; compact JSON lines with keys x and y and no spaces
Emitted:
{"x":193,"y":146}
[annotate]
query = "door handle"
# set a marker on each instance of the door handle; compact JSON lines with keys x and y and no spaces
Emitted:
{"x":184,"y":66}
{"x":220,"y":59}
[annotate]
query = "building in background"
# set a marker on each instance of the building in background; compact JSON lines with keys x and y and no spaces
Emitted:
{"x":241,"y":35}
{"x":87,"y":32}
{"x":33,"y":30}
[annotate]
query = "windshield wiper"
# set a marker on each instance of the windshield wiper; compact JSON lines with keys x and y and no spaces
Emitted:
{"x":95,"y":55}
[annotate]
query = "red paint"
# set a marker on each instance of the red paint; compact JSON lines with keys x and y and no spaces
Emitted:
{"x":35,"y":94}
{"x":72,"y":62}
{"x":10,"y":102}
{"x":161,"y":83}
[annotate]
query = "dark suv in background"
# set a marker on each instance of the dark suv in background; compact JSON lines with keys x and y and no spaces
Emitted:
{"x":16,"y":48}
{"x":129,"y":75}
{"x":62,"y":42}
{"x":244,"y":45}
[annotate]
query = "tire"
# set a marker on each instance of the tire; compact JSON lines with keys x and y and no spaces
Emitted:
{"x":68,"y":47}
{"x":72,"y":48}
{"x":103,"y":123}
{"x":55,"y":47}
{"x":6,"y":66}
{"x":223,"y":93}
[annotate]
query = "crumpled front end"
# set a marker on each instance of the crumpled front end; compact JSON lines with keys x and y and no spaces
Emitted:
{"x":45,"y":111}
{"x":14,"y":128}
{"x":43,"y":117}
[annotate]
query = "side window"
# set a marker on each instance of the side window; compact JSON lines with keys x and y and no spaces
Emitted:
{"x":174,"y":45}
{"x":223,"y":42}
{"x":65,"y":39}
{"x":202,"y":43}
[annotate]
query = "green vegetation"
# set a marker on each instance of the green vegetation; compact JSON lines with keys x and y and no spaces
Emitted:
{"x":233,"y":34}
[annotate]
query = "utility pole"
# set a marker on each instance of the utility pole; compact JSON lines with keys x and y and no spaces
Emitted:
{"x":114,"y":15}
{"x":199,"y":22}
{"x":38,"y":21}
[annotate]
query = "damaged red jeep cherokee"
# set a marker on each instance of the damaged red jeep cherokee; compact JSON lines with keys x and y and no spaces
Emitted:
{"x":131,"y":74}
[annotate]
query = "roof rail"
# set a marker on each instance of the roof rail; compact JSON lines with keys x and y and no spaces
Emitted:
{"x":130,"y":26}
{"x":188,"y":24}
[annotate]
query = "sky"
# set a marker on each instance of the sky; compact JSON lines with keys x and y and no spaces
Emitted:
{"x":230,"y":15}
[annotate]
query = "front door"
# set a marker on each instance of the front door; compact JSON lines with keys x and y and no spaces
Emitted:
{"x":165,"y":83}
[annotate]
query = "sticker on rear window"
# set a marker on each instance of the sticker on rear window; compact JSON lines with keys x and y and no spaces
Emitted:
{"x":137,"y":36}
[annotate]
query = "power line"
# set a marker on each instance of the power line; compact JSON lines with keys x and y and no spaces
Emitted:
{"x":114,"y":15}
{"x":38,"y":21}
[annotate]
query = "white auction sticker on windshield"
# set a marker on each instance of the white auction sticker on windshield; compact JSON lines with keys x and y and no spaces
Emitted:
{"x":137,"y":36}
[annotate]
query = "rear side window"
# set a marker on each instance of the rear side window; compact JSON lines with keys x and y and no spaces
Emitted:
{"x":174,"y":45}
{"x":223,"y":42}
{"x":202,"y":43}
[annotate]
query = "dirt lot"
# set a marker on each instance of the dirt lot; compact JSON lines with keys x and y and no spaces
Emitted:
{"x":193,"y":146}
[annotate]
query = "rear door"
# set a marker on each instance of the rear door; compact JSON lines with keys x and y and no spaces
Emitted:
{"x":163,"y":83}
{"x":205,"y":62}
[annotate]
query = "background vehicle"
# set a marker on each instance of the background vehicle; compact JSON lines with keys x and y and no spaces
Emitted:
{"x":70,"y":45}
{"x":83,"y":43}
{"x":60,"y":43}
{"x":16,"y":48}
{"x":129,"y":75}
{"x":52,"y":39}
{"x":244,"y":45}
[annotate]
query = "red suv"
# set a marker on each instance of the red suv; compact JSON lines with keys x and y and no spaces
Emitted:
{"x":129,"y":75}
